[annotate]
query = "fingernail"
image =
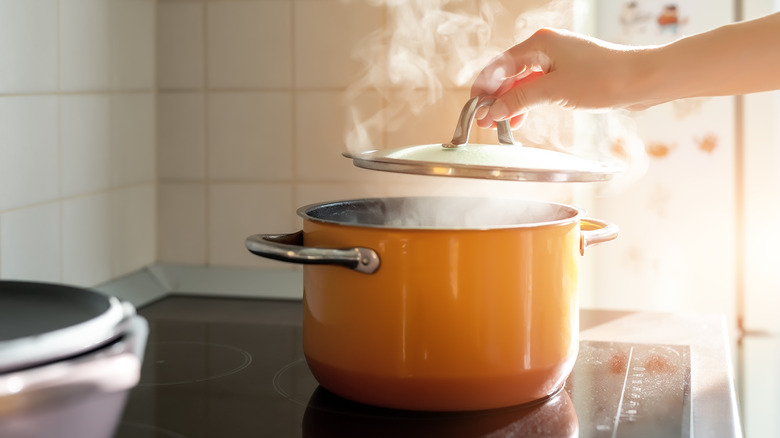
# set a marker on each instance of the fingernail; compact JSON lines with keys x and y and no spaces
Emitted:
{"x":481,"y":113}
{"x":498,"y":111}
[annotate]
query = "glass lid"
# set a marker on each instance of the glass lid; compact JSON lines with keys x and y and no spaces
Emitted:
{"x":507,"y":160}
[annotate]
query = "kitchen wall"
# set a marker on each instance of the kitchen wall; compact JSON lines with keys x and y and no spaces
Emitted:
{"x":678,"y":244}
{"x":77,"y":139}
{"x":140,"y":131}
{"x":257,"y":98}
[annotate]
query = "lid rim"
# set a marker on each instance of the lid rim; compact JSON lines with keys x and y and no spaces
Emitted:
{"x":430,"y":168}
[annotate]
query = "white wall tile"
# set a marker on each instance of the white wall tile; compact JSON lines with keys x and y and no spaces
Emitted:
{"x":326,"y":116}
{"x":30,"y":243}
{"x":84,"y":137}
{"x":29,"y":151}
{"x":180,"y":45}
{"x":85,"y":43}
{"x":249,"y":44}
{"x":59,"y":153}
{"x":250,"y":136}
{"x":181,"y":143}
{"x":133,"y":44}
{"x":237,"y":211}
{"x":326,"y":32}
{"x":181,"y":223}
{"x":86,"y":240}
{"x":32,"y":66}
{"x":133,"y":228}
{"x":133,"y":138}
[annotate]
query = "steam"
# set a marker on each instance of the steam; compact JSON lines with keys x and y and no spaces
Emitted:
{"x":448,"y":213}
{"x":428,"y":47}
{"x":474,"y":213}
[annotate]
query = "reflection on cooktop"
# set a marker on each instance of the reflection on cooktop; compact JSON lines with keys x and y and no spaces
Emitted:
{"x":128,"y":429}
{"x":177,"y":363}
{"x":330,"y":416}
{"x":235,"y":368}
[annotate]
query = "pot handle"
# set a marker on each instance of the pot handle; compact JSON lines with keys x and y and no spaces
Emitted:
{"x":289,"y":248}
{"x":595,"y":231}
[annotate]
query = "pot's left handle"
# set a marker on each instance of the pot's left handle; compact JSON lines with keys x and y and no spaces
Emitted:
{"x":595,"y":231}
{"x":289,"y":248}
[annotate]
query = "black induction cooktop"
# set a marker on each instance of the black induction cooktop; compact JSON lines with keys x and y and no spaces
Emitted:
{"x":220,"y":367}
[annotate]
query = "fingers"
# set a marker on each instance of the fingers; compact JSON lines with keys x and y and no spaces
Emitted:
{"x":515,"y":63}
{"x":514,"y":122}
{"x":517,"y":121}
{"x":516,"y":101}
{"x":515,"y":78}
{"x":494,"y":77}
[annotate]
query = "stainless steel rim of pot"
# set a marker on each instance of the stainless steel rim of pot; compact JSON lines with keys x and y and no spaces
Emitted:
{"x":289,"y":247}
{"x":378,"y":212}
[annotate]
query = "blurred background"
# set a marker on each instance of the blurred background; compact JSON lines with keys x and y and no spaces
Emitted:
{"x":135,"y":133}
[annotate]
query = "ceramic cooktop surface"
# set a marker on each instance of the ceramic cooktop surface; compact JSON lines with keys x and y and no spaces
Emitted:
{"x":217,"y":367}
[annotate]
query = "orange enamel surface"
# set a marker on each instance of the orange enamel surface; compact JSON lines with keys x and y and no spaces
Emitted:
{"x":452,"y":320}
{"x":468,"y":393}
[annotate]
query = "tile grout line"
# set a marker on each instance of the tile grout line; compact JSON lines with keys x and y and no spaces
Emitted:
{"x":156,"y":94}
{"x":383,"y":102}
{"x":113,"y":229}
{"x":293,"y":114}
{"x":206,"y":141}
{"x":60,"y":222}
{"x":172,"y":90}
{"x":87,"y":92}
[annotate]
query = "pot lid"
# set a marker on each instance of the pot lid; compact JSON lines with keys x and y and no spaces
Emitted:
{"x":507,"y":160}
{"x":44,"y":322}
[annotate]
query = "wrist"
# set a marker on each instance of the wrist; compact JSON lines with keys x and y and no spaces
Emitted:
{"x":649,"y":73}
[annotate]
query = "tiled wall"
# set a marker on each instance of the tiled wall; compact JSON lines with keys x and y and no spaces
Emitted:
{"x":253,"y":102}
{"x":77,"y":139}
{"x":138,"y":131}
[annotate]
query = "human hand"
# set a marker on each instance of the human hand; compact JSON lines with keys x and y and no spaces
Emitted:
{"x":562,"y":68}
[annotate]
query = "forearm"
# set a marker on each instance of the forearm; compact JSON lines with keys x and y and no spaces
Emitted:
{"x":735,"y":59}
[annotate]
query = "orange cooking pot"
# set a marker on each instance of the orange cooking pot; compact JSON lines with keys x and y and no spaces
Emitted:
{"x":439,"y":304}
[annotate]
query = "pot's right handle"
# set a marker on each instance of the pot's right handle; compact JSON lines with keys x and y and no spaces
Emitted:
{"x":595,"y":231}
{"x":289,"y":248}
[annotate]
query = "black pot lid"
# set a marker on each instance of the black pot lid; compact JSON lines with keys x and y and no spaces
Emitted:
{"x":507,"y":160}
{"x":43,"y":322}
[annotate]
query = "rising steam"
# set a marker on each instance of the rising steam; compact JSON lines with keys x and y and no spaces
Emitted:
{"x":425,"y":46}
{"x":429,"y":46}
